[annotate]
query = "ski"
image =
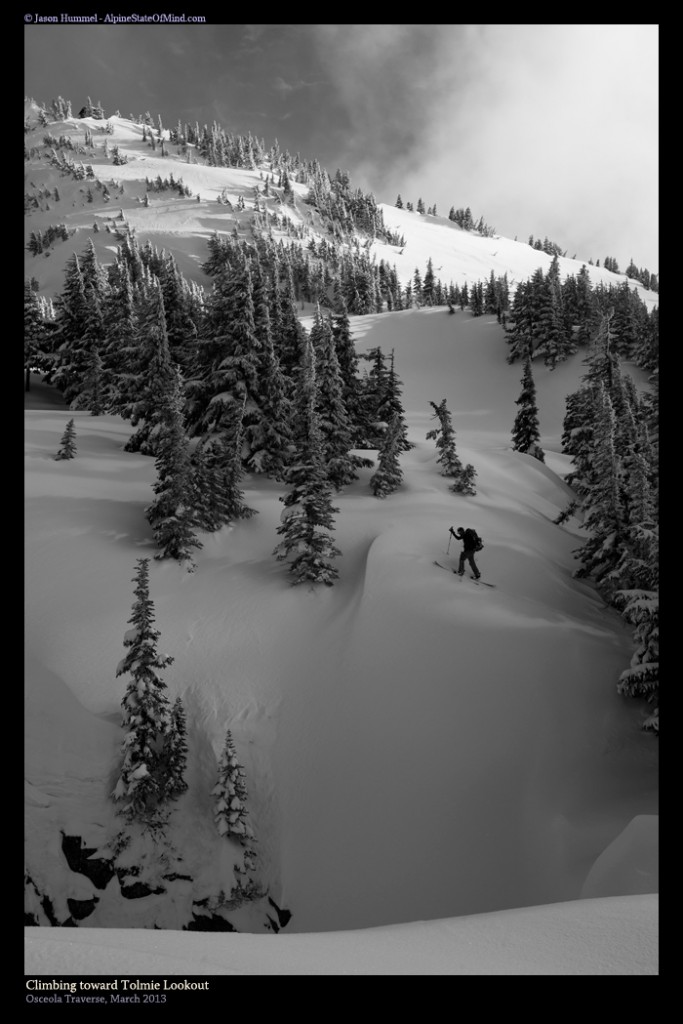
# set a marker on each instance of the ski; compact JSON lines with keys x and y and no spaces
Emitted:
{"x":474,"y":580}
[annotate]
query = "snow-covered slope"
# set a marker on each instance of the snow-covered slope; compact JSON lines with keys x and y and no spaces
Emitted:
{"x":611,"y":936}
{"x":182,"y":224}
{"x":415,"y":746}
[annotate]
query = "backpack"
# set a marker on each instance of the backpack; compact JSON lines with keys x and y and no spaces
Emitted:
{"x":472,"y":540}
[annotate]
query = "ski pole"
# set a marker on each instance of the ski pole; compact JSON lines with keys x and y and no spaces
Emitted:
{"x":449,"y":542}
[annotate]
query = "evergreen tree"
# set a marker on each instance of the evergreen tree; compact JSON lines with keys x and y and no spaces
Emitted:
{"x":641,"y":679}
{"x":520,"y":334}
{"x":71,"y":321}
{"x":428,"y":285}
{"x":121,"y":348}
{"x":287,"y":330}
{"x":206,"y":488}
{"x":156,"y":381}
{"x":79,"y":326}
{"x":477,"y":299}
{"x":373,"y":388}
{"x":348,"y":368}
{"x":175,"y":754}
{"x":233,"y":506}
{"x":444,"y":436}
{"x":142,"y":781}
{"x":464,"y":484}
{"x":549,"y":326}
{"x":399,"y":202}
{"x":230,"y":796}
{"x":417,"y":287}
{"x":603,"y":502}
{"x":308,"y":514}
{"x":272,"y":435}
{"x":638,"y":566}
{"x":94,"y":275}
{"x":491,"y":295}
{"x":585,"y":307}
{"x":647,"y":352}
{"x":180,"y":326}
{"x":526,"y":435}
{"x":226,"y":376}
{"x":333,"y":419}
{"x":171,"y":514}
{"x":92,"y":395}
{"x":389,"y":404}
{"x":389,"y":474}
{"x":34,"y":333}
{"x":68,"y":443}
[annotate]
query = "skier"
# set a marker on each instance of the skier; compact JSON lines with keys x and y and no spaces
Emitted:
{"x":469,"y":544}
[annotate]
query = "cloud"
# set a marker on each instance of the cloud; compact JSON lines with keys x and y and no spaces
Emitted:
{"x":284,"y":87}
{"x":280,"y":85}
{"x":543,"y":129}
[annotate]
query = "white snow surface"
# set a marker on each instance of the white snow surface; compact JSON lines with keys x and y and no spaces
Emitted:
{"x":615,"y":936}
{"x":438,"y":773}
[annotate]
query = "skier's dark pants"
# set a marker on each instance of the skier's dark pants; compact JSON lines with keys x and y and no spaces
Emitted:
{"x":469,"y":557}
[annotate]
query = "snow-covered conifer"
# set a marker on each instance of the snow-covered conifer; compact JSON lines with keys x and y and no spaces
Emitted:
{"x":149,"y":403}
{"x":68,"y":443}
{"x":335,"y":425}
{"x":233,"y":506}
{"x":171,"y":513}
{"x":464,"y":484}
{"x":389,"y":475}
{"x":307,"y":518}
{"x":146,"y":713}
{"x":175,"y":753}
{"x":526,"y":435}
{"x":390,"y":405}
{"x":348,"y":368}
{"x":120,"y":345}
{"x":603,"y":500}
{"x":230,"y":796}
{"x":71,"y":316}
{"x":271,"y":437}
{"x":641,"y":679}
{"x":226,"y":375}
{"x":444,"y":437}
{"x":34,"y":332}
{"x":93,"y":396}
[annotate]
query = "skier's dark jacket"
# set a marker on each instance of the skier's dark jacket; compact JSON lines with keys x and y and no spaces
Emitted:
{"x":468,"y":537}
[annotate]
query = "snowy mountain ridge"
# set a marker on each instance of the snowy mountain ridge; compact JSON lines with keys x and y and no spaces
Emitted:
{"x":184,"y":224}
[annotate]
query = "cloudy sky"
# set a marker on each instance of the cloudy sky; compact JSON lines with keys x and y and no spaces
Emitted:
{"x":550,"y":130}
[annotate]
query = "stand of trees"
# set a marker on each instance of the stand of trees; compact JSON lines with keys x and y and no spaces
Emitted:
{"x":611,"y":434}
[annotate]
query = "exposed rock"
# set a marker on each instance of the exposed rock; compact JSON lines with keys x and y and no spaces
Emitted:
{"x":283,"y":916}
{"x":99,"y":871}
{"x":80,"y":909}
{"x":209,"y":923}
